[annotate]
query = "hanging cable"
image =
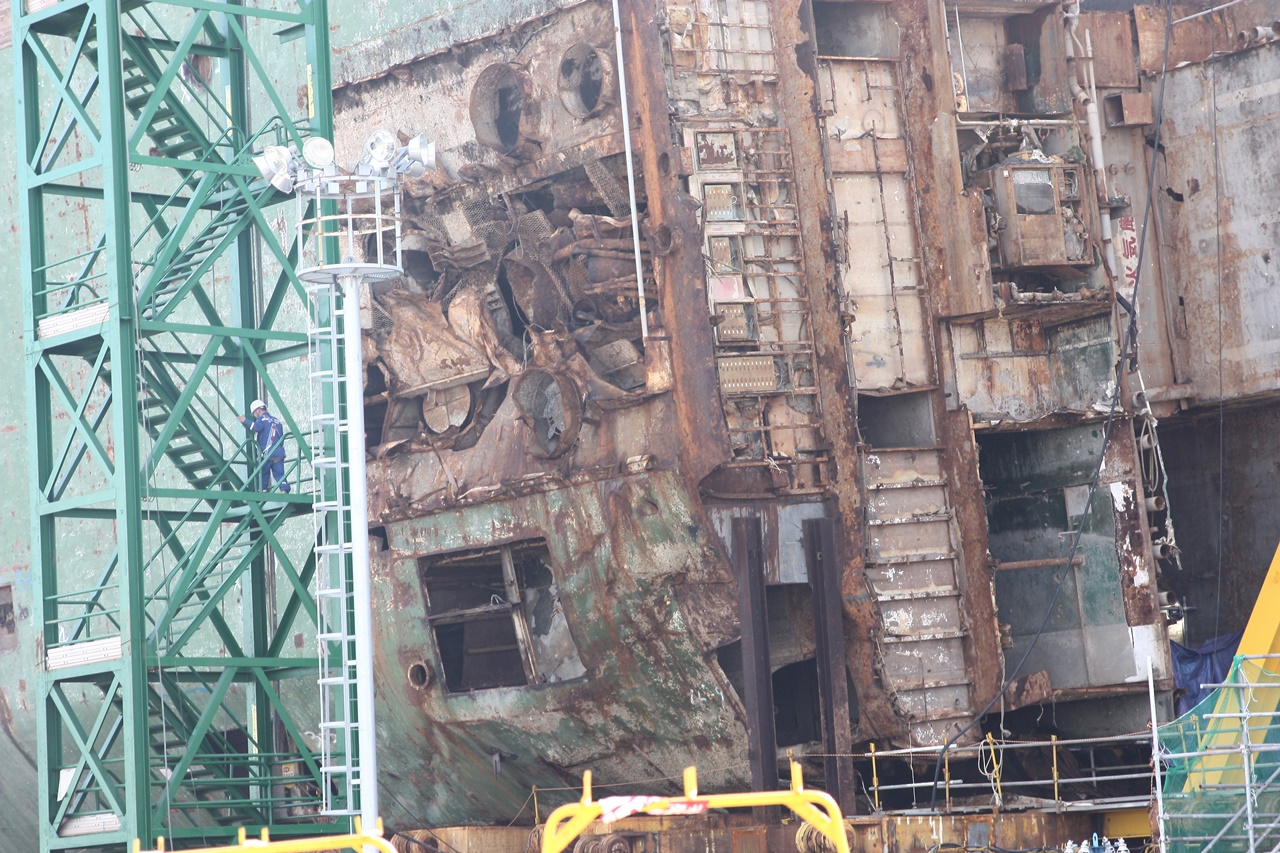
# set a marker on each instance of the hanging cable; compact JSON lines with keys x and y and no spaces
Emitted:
{"x":1222,"y":441}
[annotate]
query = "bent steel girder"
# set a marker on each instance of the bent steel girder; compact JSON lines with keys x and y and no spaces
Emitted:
{"x":171,"y":590}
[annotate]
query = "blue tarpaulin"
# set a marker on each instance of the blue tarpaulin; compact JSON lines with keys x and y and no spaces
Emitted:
{"x":1207,"y":664}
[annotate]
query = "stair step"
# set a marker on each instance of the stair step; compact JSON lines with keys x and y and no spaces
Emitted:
{"x":181,"y":148}
{"x":918,"y":595}
{"x":921,"y":557}
{"x":164,"y":134}
{"x":184,"y":450}
{"x":928,"y":683}
{"x":953,"y":634}
{"x":946,"y":515}
{"x":919,"y":483}
{"x":135,"y":103}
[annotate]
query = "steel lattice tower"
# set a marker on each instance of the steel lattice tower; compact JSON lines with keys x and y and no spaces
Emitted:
{"x":177,"y":667}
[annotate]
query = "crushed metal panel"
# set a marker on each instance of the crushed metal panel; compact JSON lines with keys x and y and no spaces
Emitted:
{"x":619,"y":569}
{"x":782,"y":528}
{"x":1227,"y":228}
{"x":1002,"y":378}
{"x":1133,"y":551}
{"x":1192,"y":41}
{"x":1115,"y":61}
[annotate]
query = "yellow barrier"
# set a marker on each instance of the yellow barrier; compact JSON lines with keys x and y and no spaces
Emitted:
{"x":813,"y":807}
{"x":357,"y":841}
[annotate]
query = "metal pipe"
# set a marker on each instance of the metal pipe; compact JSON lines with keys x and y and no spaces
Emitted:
{"x":362,"y":593}
{"x":1155,"y":753}
{"x":965,"y":750}
{"x":1057,"y":797}
{"x":1015,"y":123}
{"x":875,"y":777}
{"x":1094,"y":133}
{"x":964,"y":72}
{"x":1039,"y":564}
{"x":1207,"y":11}
{"x":631,"y":169}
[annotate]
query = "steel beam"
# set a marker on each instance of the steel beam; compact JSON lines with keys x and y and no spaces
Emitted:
{"x":833,"y":674}
{"x":748,"y":566}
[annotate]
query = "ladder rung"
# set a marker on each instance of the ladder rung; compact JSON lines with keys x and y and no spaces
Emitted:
{"x":335,"y":725}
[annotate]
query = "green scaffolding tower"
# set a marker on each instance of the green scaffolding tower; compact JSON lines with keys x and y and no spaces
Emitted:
{"x":173,"y":610}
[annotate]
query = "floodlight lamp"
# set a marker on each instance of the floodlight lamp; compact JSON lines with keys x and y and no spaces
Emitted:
{"x":274,"y":164}
{"x":318,"y":152}
{"x":422,"y":151}
{"x":380,"y":149}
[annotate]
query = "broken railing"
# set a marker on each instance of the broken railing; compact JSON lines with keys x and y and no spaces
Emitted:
{"x":1069,"y":779}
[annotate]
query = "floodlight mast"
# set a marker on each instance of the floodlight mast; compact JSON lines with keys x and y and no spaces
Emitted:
{"x":360,"y":210}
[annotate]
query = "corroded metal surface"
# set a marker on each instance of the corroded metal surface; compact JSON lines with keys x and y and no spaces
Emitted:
{"x":1223,"y":313}
{"x":838,"y":329}
{"x":798,"y":206}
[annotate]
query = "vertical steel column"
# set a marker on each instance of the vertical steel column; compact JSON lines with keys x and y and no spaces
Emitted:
{"x":748,"y":566}
{"x":833,"y":679}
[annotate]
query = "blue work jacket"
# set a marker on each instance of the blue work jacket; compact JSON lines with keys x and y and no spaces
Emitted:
{"x":269,"y":433}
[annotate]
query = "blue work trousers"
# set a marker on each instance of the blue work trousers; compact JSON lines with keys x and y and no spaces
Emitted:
{"x":274,"y":469}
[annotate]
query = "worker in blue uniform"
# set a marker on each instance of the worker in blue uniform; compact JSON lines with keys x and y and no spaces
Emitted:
{"x":269,"y":433}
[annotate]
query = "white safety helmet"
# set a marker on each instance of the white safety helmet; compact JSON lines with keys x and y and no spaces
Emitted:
{"x":256,"y":404}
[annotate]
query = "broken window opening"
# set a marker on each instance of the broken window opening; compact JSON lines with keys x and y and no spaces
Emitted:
{"x":1033,"y":192}
{"x":863,"y":30}
{"x":497,"y":619}
{"x":8,"y":622}
{"x":896,"y":420}
{"x":552,"y":405}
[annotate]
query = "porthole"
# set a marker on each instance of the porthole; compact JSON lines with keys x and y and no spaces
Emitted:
{"x":502,"y":110}
{"x":586,"y":80}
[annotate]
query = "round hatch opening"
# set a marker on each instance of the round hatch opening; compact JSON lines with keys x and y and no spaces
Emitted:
{"x":586,"y":80}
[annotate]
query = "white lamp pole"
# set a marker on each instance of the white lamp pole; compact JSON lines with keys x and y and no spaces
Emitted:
{"x":362,"y":587}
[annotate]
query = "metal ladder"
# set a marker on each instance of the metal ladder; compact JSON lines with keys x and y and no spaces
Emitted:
{"x":332,"y":442}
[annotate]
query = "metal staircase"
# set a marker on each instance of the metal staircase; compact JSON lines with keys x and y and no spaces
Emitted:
{"x":912,"y":568}
{"x":168,"y":588}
